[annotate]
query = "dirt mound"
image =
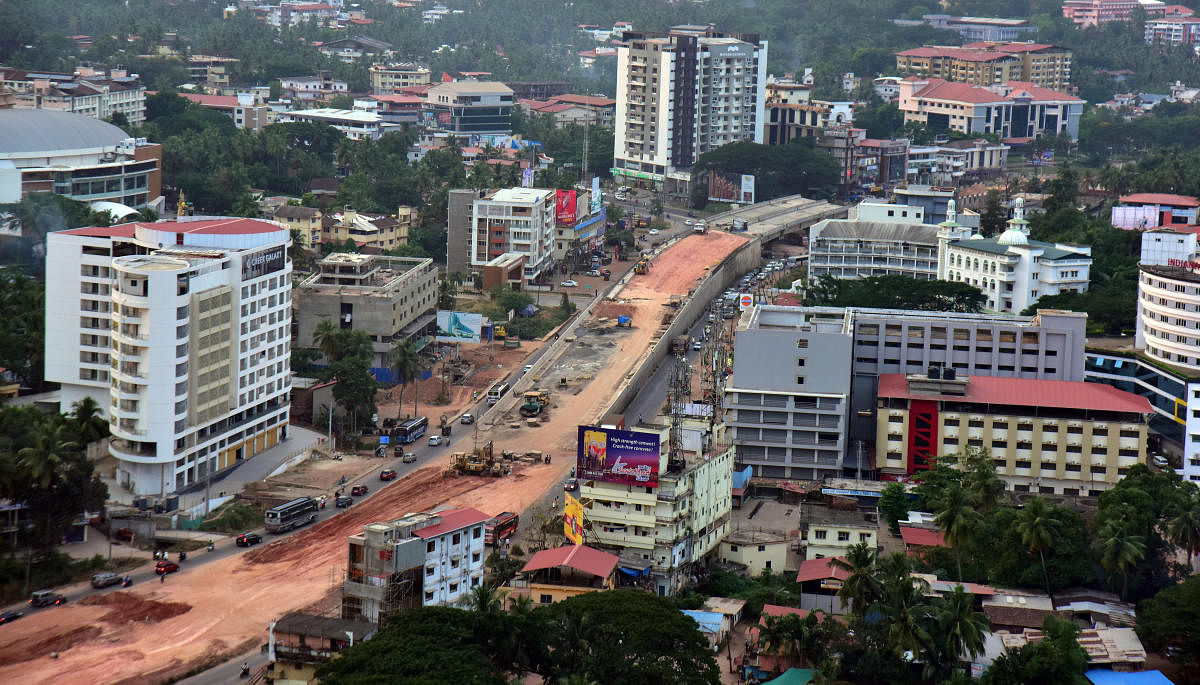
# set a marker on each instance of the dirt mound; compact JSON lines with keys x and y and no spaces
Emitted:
{"x":40,"y":644}
{"x":612,"y":310}
{"x":128,"y":607}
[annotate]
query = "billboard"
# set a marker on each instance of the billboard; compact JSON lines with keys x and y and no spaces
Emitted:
{"x":747,"y":196}
{"x":573,"y":519}
{"x":564,"y":207}
{"x":597,"y":198}
{"x":616,"y":456}
{"x":264,"y":262}
{"x":459,"y":327}
{"x":527,"y":178}
{"x":723,"y":187}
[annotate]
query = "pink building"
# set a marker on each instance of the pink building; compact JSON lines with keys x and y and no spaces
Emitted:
{"x":1096,"y":12}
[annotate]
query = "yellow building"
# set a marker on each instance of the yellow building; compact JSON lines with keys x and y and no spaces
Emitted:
{"x":297,"y":644}
{"x":828,"y":532}
{"x":305,"y":220}
{"x":553,"y":575}
{"x":388,"y":78}
{"x":1053,"y":437}
{"x":756,"y":550}
{"x":988,"y":64}
{"x":385,"y":232}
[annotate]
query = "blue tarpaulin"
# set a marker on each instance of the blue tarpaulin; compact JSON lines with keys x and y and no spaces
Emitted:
{"x":1100,"y":676}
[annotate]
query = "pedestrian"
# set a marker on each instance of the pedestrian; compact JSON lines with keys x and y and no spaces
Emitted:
{"x":162,"y":578}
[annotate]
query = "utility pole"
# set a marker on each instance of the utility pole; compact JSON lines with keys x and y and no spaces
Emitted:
{"x":587,"y":139}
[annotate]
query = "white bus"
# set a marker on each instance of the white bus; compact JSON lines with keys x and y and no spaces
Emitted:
{"x":289,"y":515}
{"x":496,"y":392}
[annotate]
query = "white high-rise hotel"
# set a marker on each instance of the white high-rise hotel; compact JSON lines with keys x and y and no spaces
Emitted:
{"x":681,"y":94}
{"x":181,"y":331}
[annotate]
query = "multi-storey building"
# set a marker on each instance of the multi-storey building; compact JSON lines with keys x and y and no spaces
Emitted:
{"x":98,"y":95}
{"x":43,"y":151}
{"x":1014,"y":109}
{"x":681,"y":94}
{"x":1046,"y":346}
{"x":677,"y":524}
{"x":979,"y":28}
{"x":388,"y":77}
{"x":382,"y":231}
{"x":417,"y":560}
{"x":247,"y":109}
{"x":357,"y":124}
{"x":354,"y":48}
{"x":520,"y":220}
{"x":601,"y":110}
{"x":790,"y":111}
{"x":322,"y":87}
{"x":578,"y":237}
{"x":306,"y":221}
{"x":1167,"y":247}
{"x":471,"y":111}
{"x":876,"y":240}
{"x":389,"y":298}
{"x":934,"y":201}
{"x":989,"y":63}
{"x":181,"y":331}
{"x":827,"y":532}
{"x":1176,"y":31}
{"x":1052,"y":437}
{"x":211,"y":71}
{"x":1095,"y":12}
{"x":1012,"y":270}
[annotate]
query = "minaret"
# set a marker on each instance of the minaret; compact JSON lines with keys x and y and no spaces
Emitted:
{"x":948,"y":230}
{"x":1017,"y":232}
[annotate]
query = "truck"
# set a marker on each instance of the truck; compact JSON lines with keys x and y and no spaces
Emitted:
{"x":642,"y":222}
{"x":534,"y":402}
{"x":606,"y":273}
{"x":699,"y":227}
{"x":679,"y":344}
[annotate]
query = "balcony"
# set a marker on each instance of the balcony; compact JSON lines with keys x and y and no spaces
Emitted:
{"x":132,"y":450}
{"x":363,"y":590}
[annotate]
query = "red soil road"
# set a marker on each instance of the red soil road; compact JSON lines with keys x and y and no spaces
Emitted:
{"x":231,"y":601}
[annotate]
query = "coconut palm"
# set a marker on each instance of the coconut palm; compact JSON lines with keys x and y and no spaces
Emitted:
{"x":88,"y":422}
{"x":1037,"y":526}
{"x":956,"y":518}
{"x":47,"y":454}
{"x":1184,"y":530}
{"x":1120,"y":551}
{"x":485,"y":599}
{"x":905,"y":612}
{"x":325,"y":338}
{"x":861,"y":588}
{"x":959,"y":626}
{"x":405,"y":361}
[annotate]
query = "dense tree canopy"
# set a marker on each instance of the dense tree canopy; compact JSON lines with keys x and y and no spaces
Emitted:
{"x":779,"y":170}
{"x":895,"y":292}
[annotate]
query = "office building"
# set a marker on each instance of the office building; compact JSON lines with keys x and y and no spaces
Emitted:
{"x":181,"y":332}
{"x":988,"y":63}
{"x":43,"y":151}
{"x":666,"y":531}
{"x":681,"y":94}
{"x":306,"y":221}
{"x":978,"y":28}
{"x":471,"y":111}
{"x":1012,"y":269}
{"x":391,"y":299}
{"x":876,"y":240}
{"x":354,"y":48}
{"x":427,"y":559}
{"x":519,"y":220}
{"x":388,"y":77}
{"x":460,"y":229}
{"x":1050,"y":437}
{"x":98,"y":95}
{"x":1014,"y":109}
{"x":792,"y":113}
{"x":1095,"y":12}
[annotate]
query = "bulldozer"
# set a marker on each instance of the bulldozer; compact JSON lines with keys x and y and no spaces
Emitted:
{"x":535,"y":402}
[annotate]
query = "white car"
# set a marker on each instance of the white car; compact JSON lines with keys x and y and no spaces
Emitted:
{"x":435,"y":440}
{"x":653,"y":231}
{"x":594,"y":272}
{"x":688,"y":222}
{"x":568,"y":284}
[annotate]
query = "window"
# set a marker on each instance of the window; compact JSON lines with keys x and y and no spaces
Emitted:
{"x":476,"y":533}
{"x":799,"y":380}
{"x":428,"y":570}
{"x":820,"y":534}
{"x":762,"y":548}
{"x":429,"y":596}
{"x":864,"y":537}
{"x":802,"y":344}
{"x":843,"y":536}
{"x":454,"y":563}
{"x":431,"y":546}
{"x":453,"y":587}
{"x":546,"y":599}
{"x":800,"y":361}
{"x":475,"y":557}
{"x":456,"y":539}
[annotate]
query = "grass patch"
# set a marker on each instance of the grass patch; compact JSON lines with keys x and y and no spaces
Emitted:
{"x":233,"y":517}
{"x":50,"y":570}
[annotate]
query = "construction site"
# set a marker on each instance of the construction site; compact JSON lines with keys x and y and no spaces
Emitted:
{"x":210,"y":613}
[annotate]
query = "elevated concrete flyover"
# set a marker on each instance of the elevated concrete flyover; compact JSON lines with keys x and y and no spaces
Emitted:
{"x":768,"y":221}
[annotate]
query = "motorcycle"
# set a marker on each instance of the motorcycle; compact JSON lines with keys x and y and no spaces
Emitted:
{"x":245,"y":672}
{"x":211,"y":547}
{"x":126,"y":581}
{"x":182,"y":557}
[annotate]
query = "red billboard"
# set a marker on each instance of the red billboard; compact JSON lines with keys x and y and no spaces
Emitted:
{"x":564,"y":207}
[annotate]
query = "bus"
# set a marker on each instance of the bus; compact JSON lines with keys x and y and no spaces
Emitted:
{"x":500,"y":527}
{"x":496,"y":392}
{"x":411,"y":430}
{"x":298,"y":512}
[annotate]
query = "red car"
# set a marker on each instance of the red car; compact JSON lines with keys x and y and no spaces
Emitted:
{"x":387,"y":474}
{"x":358,"y":490}
{"x":164,"y":567}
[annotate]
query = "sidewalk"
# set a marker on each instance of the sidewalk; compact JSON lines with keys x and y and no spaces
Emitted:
{"x":258,"y":467}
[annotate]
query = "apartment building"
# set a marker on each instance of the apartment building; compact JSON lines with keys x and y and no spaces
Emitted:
{"x":1012,"y":269}
{"x":181,"y":331}
{"x":520,"y":220}
{"x":681,"y":94}
{"x":978,"y":28}
{"x":427,"y":559}
{"x":601,"y":111}
{"x":471,"y":111}
{"x":378,"y":231}
{"x":876,"y":240}
{"x":247,"y":109}
{"x":211,"y":71}
{"x":357,"y":124}
{"x":676,"y":524}
{"x":1051,"y":437}
{"x":85,"y":159}
{"x":826,"y":532}
{"x":1175,"y":31}
{"x":388,"y":77}
{"x":987,"y":63}
{"x":91,"y":93}
{"x":577,"y":235}
{"x":389,"y":298}
{"x":321,"y":87}
{"x":788,"y":399}
{"x":306,"y":221}
{"x":1095,"y":12}
{"x":1015,"y":109}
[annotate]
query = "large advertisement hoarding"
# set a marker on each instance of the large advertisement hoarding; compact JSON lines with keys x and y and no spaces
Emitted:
{"x":459,"y":327}
{"x":573,"y":519}
{"x":616,"y":456}
{"x":747,"y":197}
{"x":723,"y":187}
{"x":564,"y":207}
{"x":597,"y":198}
{"x":527,"y":178}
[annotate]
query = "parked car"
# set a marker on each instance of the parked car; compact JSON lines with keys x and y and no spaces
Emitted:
{"x":568,"y":284}
{"x":342,"y":501}
{"x":358,"y":490}
{"x":408,"y":458}
{"x":105,"y":579}
{"x":653,"y":231}
{"x":697,"y":345}
{"x":45,"y":598}
{"x":688,"y":222}
{"x":435,"y":440}
{"x":570,"y":485}
{"x":387,"y":474}
{"x":165,"y":567}
{"x":469,"y":418}
{"x":10,"y":616}
{"x":246,"y":539}
{"x":594,"y":272}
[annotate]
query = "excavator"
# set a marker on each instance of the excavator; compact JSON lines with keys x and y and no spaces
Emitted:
{"x":479,"y":462}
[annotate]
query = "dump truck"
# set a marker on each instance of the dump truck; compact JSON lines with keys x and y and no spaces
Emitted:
{"x":679,"y":344}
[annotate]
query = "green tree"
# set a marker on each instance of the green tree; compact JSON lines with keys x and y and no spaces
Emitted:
{"x":956,"y":518}
{"x":88,"y":422}
{"x":325,"y":338}
{"x":405,"y":361}
{"x":49,"y":453}
{"x":1038,"y":527}
{"x":1056,"y":659}
{"x":893,"y":504}
{"x":958,"y":631}
{"x":447,"y":292}
{"x":1170,"y":618}
{"x":1120,"y":551}
{"x":994,"y":216}
{"x":862,"y":587}
{"x":22,"y":337}
{"x":1184,"y":530}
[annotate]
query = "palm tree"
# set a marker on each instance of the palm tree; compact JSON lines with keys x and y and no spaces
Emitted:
{"x":861,"y":588}
{"x":904,"y":608}
{"x":485,"y":599}
{"x":960,"y":626}
{"x":1037,"y":527}
{"x":48,"y":452}
{"x":405,"y":361}
{"x":956,"y":519}
{"x":1119,"y":551}
{"x":325,"y":337}
{"x":1184,"y":530}
{"x":88,"y":422}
